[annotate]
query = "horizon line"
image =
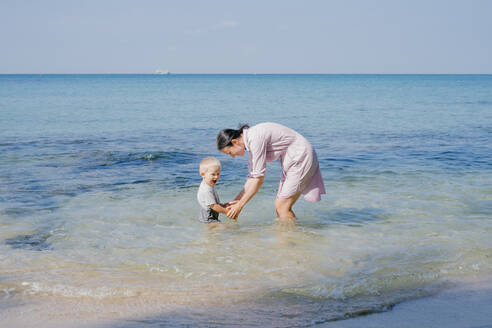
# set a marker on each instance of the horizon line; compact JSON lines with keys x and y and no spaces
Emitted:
{"x":170,"y":73}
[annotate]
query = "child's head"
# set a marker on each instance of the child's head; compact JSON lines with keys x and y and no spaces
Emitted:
{"x":210,"y":170}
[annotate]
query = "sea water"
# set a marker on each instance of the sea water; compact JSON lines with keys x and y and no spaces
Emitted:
{"x":98,"y":210}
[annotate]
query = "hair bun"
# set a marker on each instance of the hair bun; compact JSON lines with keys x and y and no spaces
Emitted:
{"x":225,"y":137}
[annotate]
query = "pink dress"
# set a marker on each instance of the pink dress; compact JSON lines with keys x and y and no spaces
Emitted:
{"x":266,"y":142}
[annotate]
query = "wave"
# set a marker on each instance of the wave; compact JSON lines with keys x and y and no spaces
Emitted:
{"x":162,"y":157}
{"x":37,"y":241}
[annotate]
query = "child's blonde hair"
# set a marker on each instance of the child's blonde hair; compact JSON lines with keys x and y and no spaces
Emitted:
{"x":208,"y":163}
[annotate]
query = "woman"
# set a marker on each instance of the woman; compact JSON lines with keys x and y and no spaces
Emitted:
{"x":266,"y":142}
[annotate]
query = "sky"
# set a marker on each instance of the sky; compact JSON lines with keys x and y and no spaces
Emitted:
{"x":229,"y":36}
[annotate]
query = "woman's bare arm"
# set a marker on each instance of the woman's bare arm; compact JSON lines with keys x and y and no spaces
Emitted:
{"x":250,"y":189}
{"x":238,"y":197}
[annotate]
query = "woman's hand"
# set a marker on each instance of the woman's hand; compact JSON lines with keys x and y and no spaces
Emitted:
{"x":232,"y":202}
{"x":234,"y":210}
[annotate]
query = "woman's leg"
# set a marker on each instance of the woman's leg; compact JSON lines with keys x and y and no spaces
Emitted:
{"x":283,"y":206}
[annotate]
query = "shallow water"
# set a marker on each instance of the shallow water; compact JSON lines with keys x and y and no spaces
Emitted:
{"x":98,"y":211}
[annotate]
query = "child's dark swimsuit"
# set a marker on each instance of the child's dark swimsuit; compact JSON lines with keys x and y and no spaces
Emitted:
{"x":207,"y":195}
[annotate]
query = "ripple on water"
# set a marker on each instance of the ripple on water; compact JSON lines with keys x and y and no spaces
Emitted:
{"x":37,"y":241}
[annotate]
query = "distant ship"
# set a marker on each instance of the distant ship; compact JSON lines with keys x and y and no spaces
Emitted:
{"x":159,"y":71}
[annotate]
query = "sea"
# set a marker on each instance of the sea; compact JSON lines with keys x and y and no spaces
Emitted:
{"x":99,"y":217}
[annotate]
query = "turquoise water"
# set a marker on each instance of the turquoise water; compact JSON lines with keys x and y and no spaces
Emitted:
{"x":98,"y":197}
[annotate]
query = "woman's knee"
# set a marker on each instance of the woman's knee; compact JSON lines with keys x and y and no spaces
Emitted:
{"x":283,"y":205}
{"x":280,"y":204}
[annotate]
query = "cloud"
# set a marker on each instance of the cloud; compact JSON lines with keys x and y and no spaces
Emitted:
{"x":225,"y":24}
{"x":194,"y":31}
{"x":229,"y":24}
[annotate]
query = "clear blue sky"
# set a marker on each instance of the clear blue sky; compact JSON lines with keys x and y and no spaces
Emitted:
{"x":318,"y":36}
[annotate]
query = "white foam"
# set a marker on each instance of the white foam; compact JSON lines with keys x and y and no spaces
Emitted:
{"x":36,"y":288}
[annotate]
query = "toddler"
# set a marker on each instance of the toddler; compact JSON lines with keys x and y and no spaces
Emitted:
{"x":210,"y":205}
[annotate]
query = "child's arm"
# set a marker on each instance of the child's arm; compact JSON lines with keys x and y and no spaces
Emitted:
{"x":222,"y":208}
{"x":218,"y":208}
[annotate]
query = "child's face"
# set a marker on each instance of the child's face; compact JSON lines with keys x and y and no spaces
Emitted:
{"x":211,"y":175}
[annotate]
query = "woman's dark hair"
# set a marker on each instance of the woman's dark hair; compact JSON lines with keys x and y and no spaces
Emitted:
{"x":225,"y":137}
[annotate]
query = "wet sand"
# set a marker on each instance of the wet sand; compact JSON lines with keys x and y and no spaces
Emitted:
{"x":467,"y":305}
